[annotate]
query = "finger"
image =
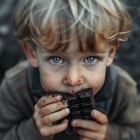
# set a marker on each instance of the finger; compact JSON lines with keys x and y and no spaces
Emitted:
{"x":100,"y":117}
{"x":46,"y":110}
{"x":83,"y":138}
{"x":46,"y":131}
{"x":45,"y":100}
{"x":87,"y":134}
{"x":53,"y":117}
{"x":86,"y":124}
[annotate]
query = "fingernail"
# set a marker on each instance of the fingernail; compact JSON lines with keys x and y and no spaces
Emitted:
{"x":67,"y":110}
{"x":66,"y":103}
{"x":94,"y":113}
{"x":74,"y":122}
{"x":58,"y":98}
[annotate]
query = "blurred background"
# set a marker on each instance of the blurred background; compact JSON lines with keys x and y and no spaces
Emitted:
{"x":127,"y":56}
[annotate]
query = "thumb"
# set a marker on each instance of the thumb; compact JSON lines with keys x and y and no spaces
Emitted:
{"x":99,"y":117}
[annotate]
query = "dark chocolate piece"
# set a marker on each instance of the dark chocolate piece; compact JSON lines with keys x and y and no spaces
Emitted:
{"x":80,"y":103}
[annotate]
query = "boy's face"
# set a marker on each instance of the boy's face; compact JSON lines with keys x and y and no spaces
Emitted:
{"x":72,"y":70}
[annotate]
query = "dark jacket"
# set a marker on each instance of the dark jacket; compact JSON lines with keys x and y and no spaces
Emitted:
{"x":21,"y":89}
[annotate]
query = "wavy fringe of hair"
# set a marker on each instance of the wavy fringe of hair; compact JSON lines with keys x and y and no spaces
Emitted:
{"x":49,"y":23}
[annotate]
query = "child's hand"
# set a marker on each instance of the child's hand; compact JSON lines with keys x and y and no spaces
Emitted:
{"x":45,"y":114}
{"x":92,"y":130}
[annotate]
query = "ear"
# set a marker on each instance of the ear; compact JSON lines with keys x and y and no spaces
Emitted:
{"x":30,"y":54}
{"x":112,"y":52}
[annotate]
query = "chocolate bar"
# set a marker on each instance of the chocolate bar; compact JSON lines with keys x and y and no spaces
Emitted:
{"x":80,"y":103}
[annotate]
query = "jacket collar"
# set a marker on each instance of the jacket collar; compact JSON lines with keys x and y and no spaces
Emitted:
{"x":103,"y":98}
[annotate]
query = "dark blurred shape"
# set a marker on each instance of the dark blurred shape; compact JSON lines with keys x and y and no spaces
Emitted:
{"x":10,"y":49}
{"x":128,"y":54}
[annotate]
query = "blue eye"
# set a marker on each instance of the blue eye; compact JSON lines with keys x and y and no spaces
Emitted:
{"x":57,"y":60}
{"x":91,"y":60}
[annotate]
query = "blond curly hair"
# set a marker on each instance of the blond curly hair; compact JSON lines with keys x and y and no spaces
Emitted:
{"x":49,"y":22}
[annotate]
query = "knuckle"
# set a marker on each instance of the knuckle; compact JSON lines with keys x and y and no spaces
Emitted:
{"x":60,"y":105}
{"x":46,"y":109}
{"x":91,"y":126}
{"x":103,"y":129}
{"x":49,"y":119}
{"x":85,"y":133}
{"x":49,"y":96}
{"x":55,"y":130}
{"x":43,"y":132}
{"x":42,"y":100}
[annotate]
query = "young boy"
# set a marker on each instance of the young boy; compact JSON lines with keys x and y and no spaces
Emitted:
{"x":70,"y":46}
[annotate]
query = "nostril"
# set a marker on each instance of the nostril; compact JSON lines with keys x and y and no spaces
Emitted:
{"x":74,"y":85}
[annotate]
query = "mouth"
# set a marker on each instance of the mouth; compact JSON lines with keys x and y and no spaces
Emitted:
{"x":73,"y":89}
{"x":71,"y":93}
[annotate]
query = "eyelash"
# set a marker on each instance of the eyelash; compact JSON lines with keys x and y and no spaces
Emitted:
{"x":56,"y":64}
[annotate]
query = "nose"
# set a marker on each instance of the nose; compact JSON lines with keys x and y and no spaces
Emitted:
{"x":73,"y":76}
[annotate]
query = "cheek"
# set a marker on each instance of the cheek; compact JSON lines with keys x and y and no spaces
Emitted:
{"x":50,"y":81}
{"x":97,"y":80}
{"x":49,"y":78}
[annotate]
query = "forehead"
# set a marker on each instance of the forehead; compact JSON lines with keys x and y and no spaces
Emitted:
{"x":73,"y":47}
{"x":80,"y":43}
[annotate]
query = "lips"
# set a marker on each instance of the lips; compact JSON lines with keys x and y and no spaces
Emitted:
{"x":68,"y":90}
{"x":73,"y":89}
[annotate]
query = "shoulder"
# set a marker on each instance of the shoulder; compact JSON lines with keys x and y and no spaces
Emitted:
{"x":125,"y":76}
{"x":16,"y":77}
{"x":16,"y":70}
{"x":126,"y":85}
{"x":125,"y":99}
{"x":14,"y":89}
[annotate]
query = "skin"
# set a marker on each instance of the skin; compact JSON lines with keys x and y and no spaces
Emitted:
{"x":71,"y":73}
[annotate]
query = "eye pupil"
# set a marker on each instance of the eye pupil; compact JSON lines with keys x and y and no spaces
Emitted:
{"x":90,"y":59}
{"x":56,"y":59}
